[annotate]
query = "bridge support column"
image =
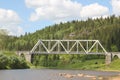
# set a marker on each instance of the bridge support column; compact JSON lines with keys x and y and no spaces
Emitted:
{"x":108,"y":59}
{"x":28,"y":57}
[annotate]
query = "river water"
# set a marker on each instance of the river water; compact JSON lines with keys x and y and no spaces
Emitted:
{"x":53,"y":74}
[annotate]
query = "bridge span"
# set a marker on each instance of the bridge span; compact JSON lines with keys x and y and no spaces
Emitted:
{"x":68,"y":47}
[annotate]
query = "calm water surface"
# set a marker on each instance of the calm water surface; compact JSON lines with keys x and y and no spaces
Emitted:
{"x":52,"y":74}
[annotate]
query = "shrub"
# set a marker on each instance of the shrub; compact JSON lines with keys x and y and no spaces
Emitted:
{"x":3,"y":61}
{"x":17,"y":63}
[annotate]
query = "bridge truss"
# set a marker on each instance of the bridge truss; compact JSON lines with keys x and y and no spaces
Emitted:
{"x":68,"y":46}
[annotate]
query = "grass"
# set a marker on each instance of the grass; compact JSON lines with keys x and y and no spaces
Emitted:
{"x":86,"y":65}
{"x":115,"y":65}
{"x":96,"y":64}
{"x":93,"y":64}
{"x":9,"y":53}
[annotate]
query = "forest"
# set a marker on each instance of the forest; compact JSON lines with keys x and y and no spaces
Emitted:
{"x":106,"y":30}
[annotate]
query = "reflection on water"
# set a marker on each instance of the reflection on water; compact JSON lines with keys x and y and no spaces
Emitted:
{"x":51,"y":74}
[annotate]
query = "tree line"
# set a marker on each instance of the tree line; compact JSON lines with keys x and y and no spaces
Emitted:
{"x":106,"y":30}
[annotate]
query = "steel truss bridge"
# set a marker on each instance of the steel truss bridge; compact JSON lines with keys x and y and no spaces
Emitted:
{"x":68,"y":47}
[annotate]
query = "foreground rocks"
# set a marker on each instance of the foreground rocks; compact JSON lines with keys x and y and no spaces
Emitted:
{"x":66,"y":75}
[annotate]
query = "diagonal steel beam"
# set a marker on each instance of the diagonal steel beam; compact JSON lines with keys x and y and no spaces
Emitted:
{"x":54,"y":46}
{"x":102,"y":47}
{"x":82,"y":47}
{"x":44,"y":46}
{"x":36,"y":45}
{"x":92,"y":46}
{"x":64,"y":47}
{"x":72,"y":46}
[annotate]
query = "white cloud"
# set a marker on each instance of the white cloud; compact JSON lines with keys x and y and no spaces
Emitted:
{"x":13,"y":29}
{"x":10,"y":20}
{"x":37,"y":3}
{"x":64,"y":10}
{"x":54,"y":9}
{"x":8,"y":16}
{"x":94,"y":11}
{"x":116,"y":6}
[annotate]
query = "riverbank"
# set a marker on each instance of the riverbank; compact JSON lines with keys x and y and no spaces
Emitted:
{"x":83,"y":62}
{"x":98,"y":65}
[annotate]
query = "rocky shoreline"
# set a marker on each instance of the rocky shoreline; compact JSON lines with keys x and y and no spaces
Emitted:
{"x":66,"y":75}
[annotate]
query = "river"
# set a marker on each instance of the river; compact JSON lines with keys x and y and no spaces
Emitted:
{"x":55,"y":74}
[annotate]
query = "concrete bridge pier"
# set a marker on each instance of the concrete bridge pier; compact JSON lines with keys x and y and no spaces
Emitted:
{"x":108,"y":58}
{"x":28,"y":57}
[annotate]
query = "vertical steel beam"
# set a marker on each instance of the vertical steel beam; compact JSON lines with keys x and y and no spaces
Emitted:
{"x":40,"y":48}
{"x":97,"y":47}
{"x":58,"y":42}
{"x":87,"y":45}
{"x":77,"y":46}
{"x":68,"y":45}
{"x":49,"y":45}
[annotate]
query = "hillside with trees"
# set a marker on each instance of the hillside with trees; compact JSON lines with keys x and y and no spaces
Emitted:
{"x":106,"y":30}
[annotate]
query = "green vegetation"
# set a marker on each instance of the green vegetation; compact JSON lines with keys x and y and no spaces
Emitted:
{"x":69,"y":61}
{"x":82,"y":62}
{"x":105,"y":30}
{"x":12,"y":61}
{"x":115,"y":64}
{"x":86,"y":65}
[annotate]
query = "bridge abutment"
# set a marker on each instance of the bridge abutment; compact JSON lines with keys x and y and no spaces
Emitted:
{"x":26,"y":54}
{"x":116,"y":54}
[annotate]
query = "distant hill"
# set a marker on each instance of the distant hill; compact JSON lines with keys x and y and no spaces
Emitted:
{"x":106,"y":30}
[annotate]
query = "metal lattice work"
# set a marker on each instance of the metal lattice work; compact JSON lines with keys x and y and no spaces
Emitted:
{"x":68,"y":46}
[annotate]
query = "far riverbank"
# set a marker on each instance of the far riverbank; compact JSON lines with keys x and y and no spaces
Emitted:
{"x":87,"y":65}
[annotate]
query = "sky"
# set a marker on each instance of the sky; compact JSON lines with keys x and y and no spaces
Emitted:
{"x":21,"y":16}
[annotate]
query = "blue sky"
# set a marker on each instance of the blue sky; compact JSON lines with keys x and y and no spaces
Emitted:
{"x":20,"y":16}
